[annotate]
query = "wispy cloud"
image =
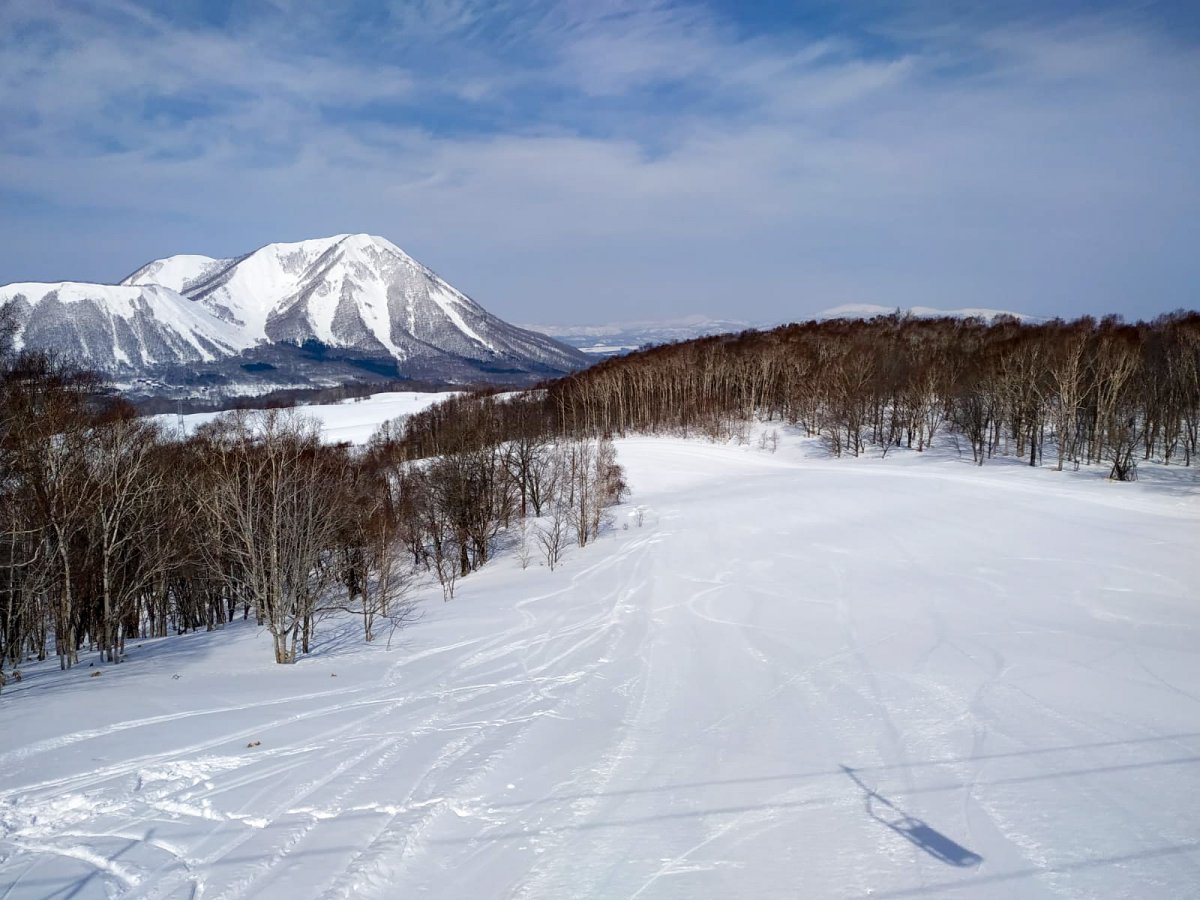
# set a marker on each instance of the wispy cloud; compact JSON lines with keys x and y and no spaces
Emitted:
{"x":558,"y":158}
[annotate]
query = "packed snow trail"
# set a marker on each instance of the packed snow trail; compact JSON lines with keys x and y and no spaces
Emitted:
{"x":796,"y":677}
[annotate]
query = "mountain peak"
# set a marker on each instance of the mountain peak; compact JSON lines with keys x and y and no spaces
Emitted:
{"x":356,"y":293}
{"x":345,"y":242}
{"x":361,"y":240}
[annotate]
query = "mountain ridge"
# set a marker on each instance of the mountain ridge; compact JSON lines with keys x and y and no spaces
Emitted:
{"x":355,"y":294}
{"x":871,"y":310}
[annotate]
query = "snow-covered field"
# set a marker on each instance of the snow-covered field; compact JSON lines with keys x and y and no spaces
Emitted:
{"x":353,"y":421}
{"x":797,"y":677}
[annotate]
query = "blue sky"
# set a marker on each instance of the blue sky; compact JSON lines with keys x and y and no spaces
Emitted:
{"x":610,"y":160}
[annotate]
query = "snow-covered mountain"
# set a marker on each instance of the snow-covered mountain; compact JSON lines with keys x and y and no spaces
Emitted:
{"x":360,"y":299}
{"x":118,"y":328}
{"x":616,"y":338}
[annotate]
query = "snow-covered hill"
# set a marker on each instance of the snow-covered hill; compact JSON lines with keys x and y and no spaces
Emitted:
{"x":870,"y":310}
{"x":797,"y":676}
{"x":355,"y":295}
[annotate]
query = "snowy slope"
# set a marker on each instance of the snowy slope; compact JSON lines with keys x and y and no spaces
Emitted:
{"x":352,"y":421}
{"x":358,"y":297}
{"x":117,"y":327}
{"x":351,"y":290}
{"x":798,"y":677}
{"x":176,"y":272}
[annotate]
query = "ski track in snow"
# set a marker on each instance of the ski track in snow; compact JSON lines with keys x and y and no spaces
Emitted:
{"x":798,"y":678}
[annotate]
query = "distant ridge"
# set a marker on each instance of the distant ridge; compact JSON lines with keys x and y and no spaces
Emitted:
{"x":616,"y":338}
{"x":871,"y":310}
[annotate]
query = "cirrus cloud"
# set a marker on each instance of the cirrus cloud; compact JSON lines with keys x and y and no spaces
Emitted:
{"x":574,"y":162}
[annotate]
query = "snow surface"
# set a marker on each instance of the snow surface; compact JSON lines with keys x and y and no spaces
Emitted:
{"x":175,"y":272}
{"x":149,"y":311}
{"x":797,"y":677}
{"x":350,"y":421}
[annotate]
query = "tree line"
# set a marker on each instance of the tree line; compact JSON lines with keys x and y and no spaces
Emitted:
{"x":1084,"y":392}
{"x":113,"y":528}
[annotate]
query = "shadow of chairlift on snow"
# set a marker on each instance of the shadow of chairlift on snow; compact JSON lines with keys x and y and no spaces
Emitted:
{"x":912,"y":829}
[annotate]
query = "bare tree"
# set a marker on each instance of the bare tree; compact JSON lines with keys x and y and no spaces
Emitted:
{"x":270,"y":492}
{"x":552,"y":533}
{"x":126,"y":482}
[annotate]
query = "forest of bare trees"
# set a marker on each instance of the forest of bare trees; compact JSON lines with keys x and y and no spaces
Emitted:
{"x":112,"y":529}
{"x":1062,"y":393}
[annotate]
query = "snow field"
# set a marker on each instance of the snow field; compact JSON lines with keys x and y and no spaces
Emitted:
{"x":798,"y":677}
{"x":352,"y":421}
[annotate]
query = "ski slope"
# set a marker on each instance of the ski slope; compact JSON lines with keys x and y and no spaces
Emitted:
{"x":797,"y":677}
{"x":351,"y":421}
